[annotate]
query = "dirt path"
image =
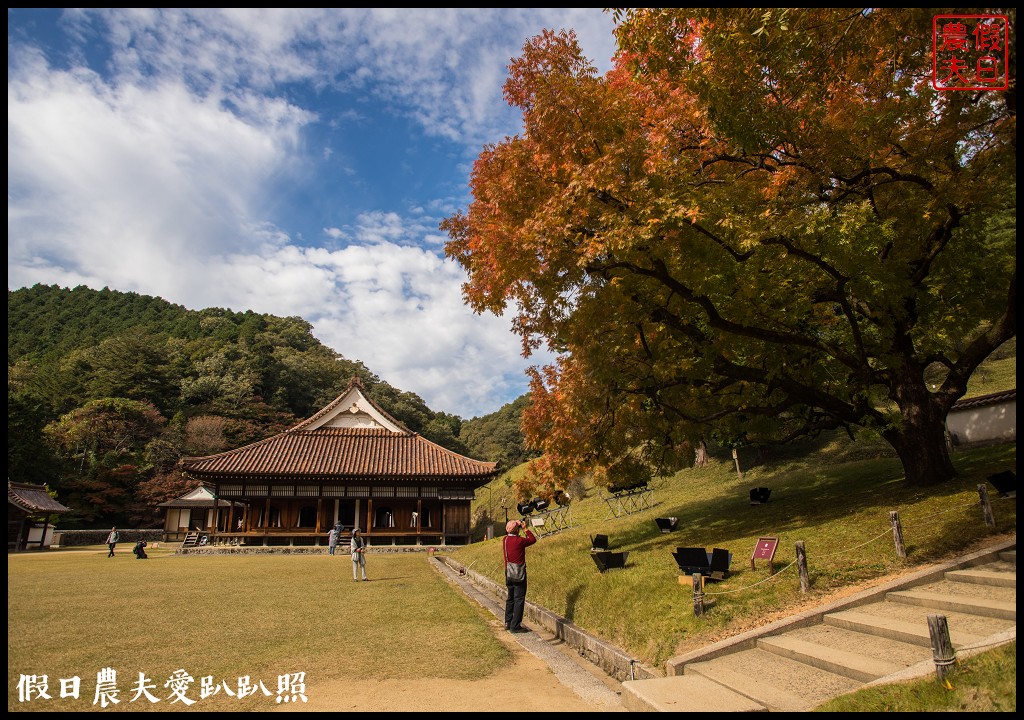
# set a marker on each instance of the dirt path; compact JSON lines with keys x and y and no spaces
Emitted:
{"x":528,"y":685}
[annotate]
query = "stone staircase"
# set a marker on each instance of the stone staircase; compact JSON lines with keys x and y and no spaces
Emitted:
{"x":878,"y":636}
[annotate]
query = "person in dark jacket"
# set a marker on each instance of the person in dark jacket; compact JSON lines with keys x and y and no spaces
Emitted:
{"x":514,"y":547}
{"x":140,"y":550}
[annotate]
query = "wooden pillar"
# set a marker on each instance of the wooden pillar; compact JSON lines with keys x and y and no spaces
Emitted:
{"x":897,"y":534}
{"x":419,"y":520}
{"x":942,"y":647}
{"x":368,"y":527}
{"x":986,"y":506}
{"x":698,"y":594}
{"x":266,"y":521}
{"x":319,"y":508}
{"x":801,"y":564}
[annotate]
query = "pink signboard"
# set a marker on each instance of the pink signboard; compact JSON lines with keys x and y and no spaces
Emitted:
{"x":765,"y":550}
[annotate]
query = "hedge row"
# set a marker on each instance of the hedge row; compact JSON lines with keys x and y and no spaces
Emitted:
{"x":72,"y":538}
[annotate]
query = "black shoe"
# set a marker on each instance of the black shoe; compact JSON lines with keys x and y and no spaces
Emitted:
{"x":519,"y":630}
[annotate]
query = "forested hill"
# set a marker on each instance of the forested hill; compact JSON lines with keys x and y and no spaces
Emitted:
{"x":43,"y":320}
{"x":85,"y":365}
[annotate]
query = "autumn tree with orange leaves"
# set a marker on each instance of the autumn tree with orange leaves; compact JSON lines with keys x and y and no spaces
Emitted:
{"x":757,"y":226}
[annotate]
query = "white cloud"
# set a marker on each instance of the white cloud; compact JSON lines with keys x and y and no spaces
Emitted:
{"x":396,"y":308}
{"x":159,"y":175}
{"x":130,"y":179}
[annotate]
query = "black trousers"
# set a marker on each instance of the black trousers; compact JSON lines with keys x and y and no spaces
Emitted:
{"x":514,"y":604}
{"x":111,"y":546}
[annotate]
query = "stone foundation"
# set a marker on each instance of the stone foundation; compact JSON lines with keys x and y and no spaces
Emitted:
{"x":295,"y":550}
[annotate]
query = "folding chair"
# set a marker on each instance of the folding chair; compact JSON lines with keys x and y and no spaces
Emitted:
{"x":666,"y":525}
{"x":720,"y":562}
{"x":692,"y":560}
{"x":609,"y":560}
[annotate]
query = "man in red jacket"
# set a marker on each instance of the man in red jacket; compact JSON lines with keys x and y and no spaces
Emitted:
{"x":514,"y":546}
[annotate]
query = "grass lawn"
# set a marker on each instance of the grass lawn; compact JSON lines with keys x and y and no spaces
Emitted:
{"x":74,"y":612}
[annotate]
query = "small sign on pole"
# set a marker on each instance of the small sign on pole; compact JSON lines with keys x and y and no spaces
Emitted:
{"x":765,"y":550}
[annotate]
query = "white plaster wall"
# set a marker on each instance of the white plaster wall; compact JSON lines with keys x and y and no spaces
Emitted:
{"x":983,"y":424}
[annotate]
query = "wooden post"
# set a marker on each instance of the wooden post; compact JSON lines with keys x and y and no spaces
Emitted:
{"x":698,"y":594}
{"x":942,"y":647}
{"x":801,"y":564}
{"x":897,"y":534}
{"x":736,"y":459}
{"x":986,"y":506}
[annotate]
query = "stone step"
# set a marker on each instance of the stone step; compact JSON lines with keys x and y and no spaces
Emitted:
{"x":684,"y":693}
{"x":907,"y":623}
{"x":778,"y":683}
{"x":797,"y":669}
{"x":987,"y":575}
{"x":988,"y":600}
{"x":856,"y":655}
{"x":914,"y":633}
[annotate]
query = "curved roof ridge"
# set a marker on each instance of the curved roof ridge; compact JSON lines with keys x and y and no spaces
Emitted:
{"x":353,"y":384}
{"x":982,"y":400}
{"x":33,"y":499}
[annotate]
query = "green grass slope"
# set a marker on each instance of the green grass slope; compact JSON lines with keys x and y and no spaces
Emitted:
{"x":836,"y":500}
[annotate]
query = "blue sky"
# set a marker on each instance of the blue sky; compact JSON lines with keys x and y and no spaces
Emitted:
{"x":291,"y":162}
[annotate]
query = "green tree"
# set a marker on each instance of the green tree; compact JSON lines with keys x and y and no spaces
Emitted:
{"x":498,"y":437}
{"x":29,"y":458}
{"x":103,"y":448}
{"x":758,"y":226}
{"x":131,"y":366}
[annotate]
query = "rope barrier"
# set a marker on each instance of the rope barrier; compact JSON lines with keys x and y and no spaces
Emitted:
{"x":747,"y":587}
{"x":943,"y":512}
{"x":887,"y":531}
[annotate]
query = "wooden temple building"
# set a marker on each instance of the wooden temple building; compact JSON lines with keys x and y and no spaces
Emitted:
{"x":351,"y":464}
{"x":29,"y":508}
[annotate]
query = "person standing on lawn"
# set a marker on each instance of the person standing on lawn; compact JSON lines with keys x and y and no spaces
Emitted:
{"x":112,"y":540}
{"x":358,"y":546}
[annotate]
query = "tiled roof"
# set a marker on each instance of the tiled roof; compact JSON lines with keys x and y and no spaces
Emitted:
{"x":343,"y":453}
{"x":985,"y":400}
{"x":195,"y":503}
{"x":33,"y":499}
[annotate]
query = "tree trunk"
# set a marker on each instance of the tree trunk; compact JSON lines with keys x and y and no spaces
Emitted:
{"x":921,"y":445}
{"x":701,"y":460}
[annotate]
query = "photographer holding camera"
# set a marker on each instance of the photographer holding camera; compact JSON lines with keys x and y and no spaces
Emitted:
{"x":514,"y":546}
